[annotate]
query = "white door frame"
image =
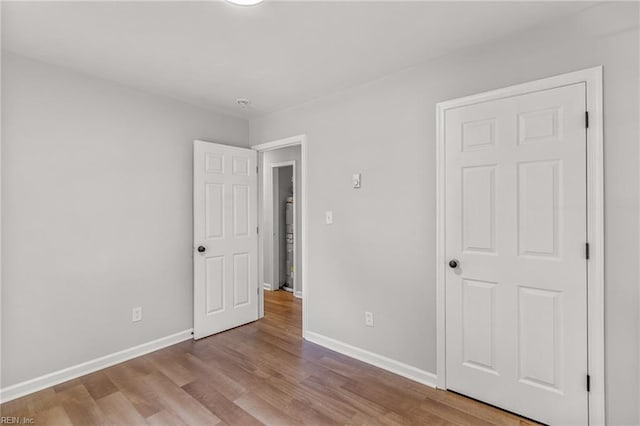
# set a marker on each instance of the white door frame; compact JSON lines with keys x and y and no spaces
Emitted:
{"x":274,"y":166}
{"x":592,"y":78}
{"x":299,"y":140}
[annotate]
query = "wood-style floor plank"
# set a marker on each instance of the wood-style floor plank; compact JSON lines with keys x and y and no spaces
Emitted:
{"x":129,"y":382}
{"x":119,"y":410}
{"x":264,"y":411}
{"x":164,"y":418}
{"x":81,"y":407}
{"x":55,"y":416}
{"x":208,"y":395}
{"x":260,"y":373}
{"x":179,"y":402}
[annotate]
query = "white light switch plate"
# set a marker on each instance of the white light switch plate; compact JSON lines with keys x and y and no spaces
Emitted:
{"x":357,"y":180}
{"x":328,"y":217}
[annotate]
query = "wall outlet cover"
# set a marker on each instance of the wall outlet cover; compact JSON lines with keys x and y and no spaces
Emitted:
{"x":136,"y":314}
{"x":368,"y":319}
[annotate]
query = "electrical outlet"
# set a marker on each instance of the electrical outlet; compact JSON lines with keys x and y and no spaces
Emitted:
{"x":136,"y":314}
{"x":368,"y":319}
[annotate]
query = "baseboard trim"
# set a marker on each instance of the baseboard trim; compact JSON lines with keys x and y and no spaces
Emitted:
{"x":298,"y":294}
{"x":397,"y":367}
{"x":267,"y":286}
{"x":33,"y":385}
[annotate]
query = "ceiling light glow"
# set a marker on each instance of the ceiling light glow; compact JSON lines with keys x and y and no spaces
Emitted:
{"x":245,"y":2}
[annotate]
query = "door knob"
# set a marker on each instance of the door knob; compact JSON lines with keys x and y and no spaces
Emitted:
{"x":453,"y":263}
{"x":201,"y":249}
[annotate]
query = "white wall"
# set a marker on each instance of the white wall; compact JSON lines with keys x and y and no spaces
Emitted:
{"x":97,"y":215}
{"x":292,"y":153}
{"x":379,"y":255}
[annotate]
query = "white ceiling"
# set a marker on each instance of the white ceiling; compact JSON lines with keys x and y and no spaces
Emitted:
{"x":277,"y":54}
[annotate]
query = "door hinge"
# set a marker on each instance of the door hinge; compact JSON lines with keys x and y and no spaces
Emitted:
{"x":257,"y":169}
{"x":588,"y":383}
{"x":586,"y":119}
{"x":586,"y":251}
{"x":257,"y":229}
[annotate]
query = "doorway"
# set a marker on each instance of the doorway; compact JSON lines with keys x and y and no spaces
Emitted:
{"x":233,"y":232}
{"x":520,"y":248}
{"x":281,"y":246}
{"x":283,"y":203}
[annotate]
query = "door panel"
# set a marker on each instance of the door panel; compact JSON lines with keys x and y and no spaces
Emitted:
{"x":516,"y":221}
{"x":214,"y":215}
{"x":241,"y":214}
{"x":225,"y":225}
{"x":478,"y":328}
{"x":214,"y":276}
{"x":540,"y":336}
{"x":478,"y":209}
{"x":241,"y":273}
{"x":539,"y":208}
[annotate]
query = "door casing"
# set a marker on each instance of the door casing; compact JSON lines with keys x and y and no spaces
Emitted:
{"x":592,"y":78}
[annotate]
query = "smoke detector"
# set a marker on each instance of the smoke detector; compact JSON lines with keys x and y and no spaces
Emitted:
{"x":244,"y":103}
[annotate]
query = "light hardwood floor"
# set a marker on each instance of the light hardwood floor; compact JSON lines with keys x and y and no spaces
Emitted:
{"x":262,"y":372}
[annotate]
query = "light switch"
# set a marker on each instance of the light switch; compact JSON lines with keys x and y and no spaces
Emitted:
{"x":356,"y":179}
{"x":328,"y":217}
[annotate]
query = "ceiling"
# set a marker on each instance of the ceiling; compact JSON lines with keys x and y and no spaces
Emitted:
{"x":277,"y":54}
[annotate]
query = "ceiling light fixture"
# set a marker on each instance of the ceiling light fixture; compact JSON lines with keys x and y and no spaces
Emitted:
{"x":245,"y":2}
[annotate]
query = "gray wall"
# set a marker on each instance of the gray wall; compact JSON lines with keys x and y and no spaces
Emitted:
{"x":379,"y":254}
{"x":292,"y":153}
{"x":97,"y":216}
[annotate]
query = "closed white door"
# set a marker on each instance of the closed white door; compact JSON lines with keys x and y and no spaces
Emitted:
{"x":516,"y":286}
{"x":225,"y":236}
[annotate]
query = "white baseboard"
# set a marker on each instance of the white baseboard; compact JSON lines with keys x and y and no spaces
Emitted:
{"x":298,"y":294}
{"x":60,"y":376}
{"x":267,"y":286}
{"x":397,"y":367}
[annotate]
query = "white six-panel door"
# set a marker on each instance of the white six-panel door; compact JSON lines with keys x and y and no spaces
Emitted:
{"x":225,"y":237}
{"x":516,"y":211}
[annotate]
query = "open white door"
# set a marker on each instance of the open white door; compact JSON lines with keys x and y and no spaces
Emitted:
{"x":225,"y":238}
